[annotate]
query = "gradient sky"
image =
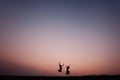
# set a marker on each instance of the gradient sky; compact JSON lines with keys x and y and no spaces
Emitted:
{"x":36,"y":34}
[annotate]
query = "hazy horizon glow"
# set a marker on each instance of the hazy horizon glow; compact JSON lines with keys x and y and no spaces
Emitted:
{"x":36,"y":35}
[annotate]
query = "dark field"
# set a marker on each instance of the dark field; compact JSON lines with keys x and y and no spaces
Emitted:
{"x":100,"y":77}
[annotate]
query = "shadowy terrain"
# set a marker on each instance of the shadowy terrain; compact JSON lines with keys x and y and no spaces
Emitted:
{"x":92,"y":77}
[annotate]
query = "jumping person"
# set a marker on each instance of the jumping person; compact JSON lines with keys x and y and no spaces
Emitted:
{"x":67,"y":70}
{"x":60,"y":67}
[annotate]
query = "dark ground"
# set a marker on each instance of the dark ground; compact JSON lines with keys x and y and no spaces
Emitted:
{"x":101,"y":77}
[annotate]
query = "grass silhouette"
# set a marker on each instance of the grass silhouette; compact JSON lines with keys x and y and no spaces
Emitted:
{"x":90,"y":77}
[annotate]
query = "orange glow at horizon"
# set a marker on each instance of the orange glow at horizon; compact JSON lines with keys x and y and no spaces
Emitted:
{"x":85,"y":58}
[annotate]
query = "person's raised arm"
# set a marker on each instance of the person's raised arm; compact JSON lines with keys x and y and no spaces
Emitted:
{"x":59,"y":63}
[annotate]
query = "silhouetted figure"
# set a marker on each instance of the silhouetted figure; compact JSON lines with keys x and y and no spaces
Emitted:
{"x":67,"y":70}
{"x":60,"y":67}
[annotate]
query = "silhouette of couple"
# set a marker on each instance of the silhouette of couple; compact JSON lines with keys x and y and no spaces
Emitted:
{"x":67,"y":68}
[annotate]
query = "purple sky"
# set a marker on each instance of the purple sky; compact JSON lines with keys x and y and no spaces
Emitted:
{"x":36,"y":34}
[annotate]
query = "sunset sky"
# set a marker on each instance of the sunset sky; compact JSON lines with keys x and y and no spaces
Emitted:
{"x":36,"y":34}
